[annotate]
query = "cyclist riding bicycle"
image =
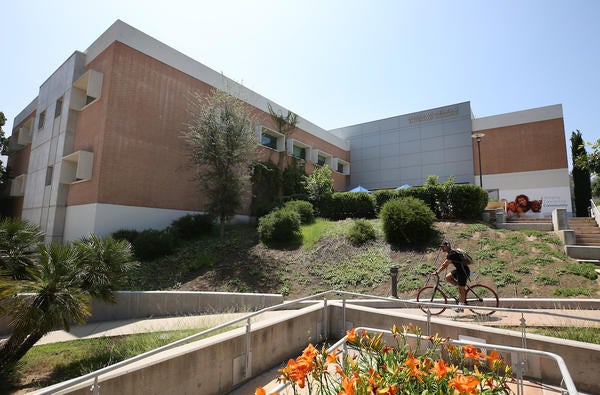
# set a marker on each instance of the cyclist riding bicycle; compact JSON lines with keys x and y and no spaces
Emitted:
{"x":458,"y":276}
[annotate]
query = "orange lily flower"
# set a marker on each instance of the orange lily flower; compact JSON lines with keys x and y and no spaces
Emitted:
{"x":440,"y":369}
{"x":495,"y":359}
{"x":413,"y":366}
{"x":464,"y":385}
{"x":348,"y":386}
{"x":351,"y":335}
{"x":471,"y":352}
{"x":261,"y":391}
{"x":332,"y":357}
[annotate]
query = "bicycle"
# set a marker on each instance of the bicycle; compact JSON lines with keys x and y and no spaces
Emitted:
{"x":475,"y":294}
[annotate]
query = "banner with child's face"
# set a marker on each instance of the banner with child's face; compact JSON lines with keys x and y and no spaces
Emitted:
{"x":524,"y":206}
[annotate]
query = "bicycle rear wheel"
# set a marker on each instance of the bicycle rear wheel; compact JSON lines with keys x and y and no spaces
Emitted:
{"x":475,"y":297}
{"x":430,"y":294}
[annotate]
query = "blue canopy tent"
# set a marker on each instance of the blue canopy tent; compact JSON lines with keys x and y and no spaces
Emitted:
{"x":359,"y":189}
{"x":404,"y":186}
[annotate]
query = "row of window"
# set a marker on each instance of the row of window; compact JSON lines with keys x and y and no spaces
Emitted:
{"x":85,"y":91}
{"x":74,"y":168}
{"x":276,"y":141}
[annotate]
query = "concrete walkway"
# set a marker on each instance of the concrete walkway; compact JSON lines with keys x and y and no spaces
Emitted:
{"x":145,"y":325}
{"x":123,"y":327}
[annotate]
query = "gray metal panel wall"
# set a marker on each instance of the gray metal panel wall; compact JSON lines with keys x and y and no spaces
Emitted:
{"x":406,"y":149}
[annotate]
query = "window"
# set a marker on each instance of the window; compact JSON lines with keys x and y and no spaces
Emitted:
{"x":17,"y":187}
{"x":268,"y":141}
{"x":341,"y":166}
{"x":49,"y":175}
{"x":87,"y":89}
{"x":299,"y":152}
{"x":321,"y":160}
{"x":41,"y":119}
{"x":76,"y":167}
{"x":271,"y":139}
{"x":26,"y":133}
{"x":58,"y":108}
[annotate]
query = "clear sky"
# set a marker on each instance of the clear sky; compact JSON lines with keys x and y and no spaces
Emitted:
{"x":341,"y":62}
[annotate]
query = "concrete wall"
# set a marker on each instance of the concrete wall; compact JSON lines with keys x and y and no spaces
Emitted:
{"x":217,"y":364}
{"x":214,"y":366}
{"x":142,"y":304}
{"x":102,"y":219}
{"x":45,"y":204}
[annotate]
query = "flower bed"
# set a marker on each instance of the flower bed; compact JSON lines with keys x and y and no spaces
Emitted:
{"x":407,"y":365}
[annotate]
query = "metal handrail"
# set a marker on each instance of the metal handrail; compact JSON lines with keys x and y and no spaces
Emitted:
{"x":107,"y":369}
{"x":568,"y":381}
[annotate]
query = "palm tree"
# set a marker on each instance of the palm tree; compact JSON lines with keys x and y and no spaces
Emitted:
{"x":19,"y":241}
{"x":57,"y":291}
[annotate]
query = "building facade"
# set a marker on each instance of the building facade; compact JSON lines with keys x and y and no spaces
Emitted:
{"x":100,"y":148}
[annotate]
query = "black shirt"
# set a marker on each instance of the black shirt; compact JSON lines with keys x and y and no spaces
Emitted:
{"x":456,"y":259}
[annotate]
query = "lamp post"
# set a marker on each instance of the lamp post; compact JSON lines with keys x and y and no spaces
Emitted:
{"x":477,"y":137}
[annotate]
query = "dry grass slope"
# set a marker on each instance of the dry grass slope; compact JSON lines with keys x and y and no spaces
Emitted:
{"x":516,"y":263}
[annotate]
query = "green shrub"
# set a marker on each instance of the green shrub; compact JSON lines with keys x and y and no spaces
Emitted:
{"x":544,"y":279}
{"x":503,"y":279}
{"x":407,"y":221}
{"x":342,"y":205}
{"x":383,"y":196}
{"x":459,"y":201}
{"x":361,"y":232}
{"x":303,"y":208}
{"x":280,"y":225}
{"x":152,"y":243}
{"x":467,"y":201}
{"x":192,"y":225}
{"x":126,"y":234}
{"x":584,"y":269}
{"x":569,"y":292}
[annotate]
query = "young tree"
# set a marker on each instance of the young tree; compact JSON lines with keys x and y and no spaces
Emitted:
{"x":319,"y":186}
{"x":222,"y":145}
{"x":581,"y":175}
{"x":60,"y":279}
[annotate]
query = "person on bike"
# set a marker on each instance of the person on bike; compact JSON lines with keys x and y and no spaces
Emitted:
{"x":458,"y":276}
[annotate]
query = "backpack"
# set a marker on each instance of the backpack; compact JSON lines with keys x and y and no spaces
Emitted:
{"x":464,"y":257}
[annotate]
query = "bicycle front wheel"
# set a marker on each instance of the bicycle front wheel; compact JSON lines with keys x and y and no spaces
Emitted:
{"x":430,"y":294}
{"x":476,"y":295}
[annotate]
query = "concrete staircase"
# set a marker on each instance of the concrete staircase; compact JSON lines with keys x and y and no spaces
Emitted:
{"x":587,"y":232}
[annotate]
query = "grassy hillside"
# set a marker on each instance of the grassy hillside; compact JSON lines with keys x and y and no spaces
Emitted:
{"x":516,"y":263}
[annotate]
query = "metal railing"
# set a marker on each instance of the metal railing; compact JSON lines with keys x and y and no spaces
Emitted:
{"x":95,"y":389}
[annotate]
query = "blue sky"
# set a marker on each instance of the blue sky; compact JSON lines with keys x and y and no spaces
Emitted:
{"x":338,"y":63}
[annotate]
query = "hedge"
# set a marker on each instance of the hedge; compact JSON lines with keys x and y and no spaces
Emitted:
{"x":344,"y":205}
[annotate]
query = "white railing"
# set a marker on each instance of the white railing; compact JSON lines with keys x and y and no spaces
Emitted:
{"x":594,"y":212}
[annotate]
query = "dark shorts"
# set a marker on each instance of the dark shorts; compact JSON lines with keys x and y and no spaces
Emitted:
{"x":461,"y":276}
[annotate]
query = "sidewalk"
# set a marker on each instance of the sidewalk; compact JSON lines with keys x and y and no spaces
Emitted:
{"x":145,"y":325}
{"x":123,"y":327}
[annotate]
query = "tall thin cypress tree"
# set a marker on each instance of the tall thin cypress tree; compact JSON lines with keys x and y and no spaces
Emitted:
{"x":581,"y":176}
